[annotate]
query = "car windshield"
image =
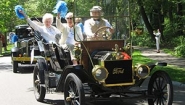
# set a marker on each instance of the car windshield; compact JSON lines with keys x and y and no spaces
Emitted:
{"x":23,"y":31}
{"x":102,"y":20}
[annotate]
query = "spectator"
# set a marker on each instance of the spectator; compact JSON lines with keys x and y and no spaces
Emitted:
{"x":10,"y":36}
{"x":157,"y":38}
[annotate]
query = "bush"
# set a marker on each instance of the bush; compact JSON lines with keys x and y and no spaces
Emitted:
{"x":142,"y":40}
{"x":180,"y":49}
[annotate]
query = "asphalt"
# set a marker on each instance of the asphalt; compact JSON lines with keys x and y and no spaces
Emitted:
{"x":164,"y":57}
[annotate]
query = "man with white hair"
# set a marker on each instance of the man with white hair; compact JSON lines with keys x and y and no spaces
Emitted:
{"x":47,"y":30}
{"x":95,"y":22}
{"x":69,"y":37}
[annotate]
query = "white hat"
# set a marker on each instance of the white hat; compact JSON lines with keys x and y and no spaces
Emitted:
{"x":96,"y":8}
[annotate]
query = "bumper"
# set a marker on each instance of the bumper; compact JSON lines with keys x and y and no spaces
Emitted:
{"x":24,"y":59}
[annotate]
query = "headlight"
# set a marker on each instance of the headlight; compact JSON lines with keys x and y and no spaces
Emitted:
{"x":142,"y":71}
{"x":100,"y":73}
{"x":23,"y":43}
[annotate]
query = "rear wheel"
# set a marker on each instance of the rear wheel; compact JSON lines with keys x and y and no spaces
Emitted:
{"x":73,"y":91}
{"x":39,"y":90}
{"x":14,"y":64}
{"x":160,"y":86}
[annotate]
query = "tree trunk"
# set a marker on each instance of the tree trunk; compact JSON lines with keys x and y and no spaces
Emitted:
{"x":180,"y":15}
{"x":145,"y":19}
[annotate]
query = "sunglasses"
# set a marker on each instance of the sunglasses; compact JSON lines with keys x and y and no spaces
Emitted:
{"x":70,"y":18}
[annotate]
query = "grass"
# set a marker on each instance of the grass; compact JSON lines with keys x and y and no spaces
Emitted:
{"x":176,"y":73}
{"x":8,"y":51}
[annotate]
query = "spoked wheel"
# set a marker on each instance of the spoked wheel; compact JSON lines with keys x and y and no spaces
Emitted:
{"x":39,"y":90}
{"x":73,"y":91}
{"x":160,"y":86}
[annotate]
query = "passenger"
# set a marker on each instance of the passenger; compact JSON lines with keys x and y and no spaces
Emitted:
{"x":78,"y":21}
{"x":47,"y":30}
{"x":68,"y":38}
{"x":93,"y":24}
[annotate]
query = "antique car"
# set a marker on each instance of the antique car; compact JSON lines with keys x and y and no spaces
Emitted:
{"x":105,"y":66}
{"x":26,"y":42}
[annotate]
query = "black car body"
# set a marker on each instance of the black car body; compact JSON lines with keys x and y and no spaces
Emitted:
{"x":105,"y":66}
{"x":21,"y":54}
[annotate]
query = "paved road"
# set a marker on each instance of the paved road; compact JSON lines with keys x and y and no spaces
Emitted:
{"x":162,"y":57}
{"x":17,"y":89}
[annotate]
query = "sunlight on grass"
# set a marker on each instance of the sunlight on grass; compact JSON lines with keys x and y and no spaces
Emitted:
{"x":176,"y":73}
{"x":138,"y":58}
{"x":8,"y":51}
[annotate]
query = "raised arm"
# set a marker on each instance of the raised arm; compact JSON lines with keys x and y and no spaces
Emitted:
{"x":59,"y":24}
{"x":31,"y":23}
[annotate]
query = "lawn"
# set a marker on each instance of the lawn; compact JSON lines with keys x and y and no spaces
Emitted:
{"x":176,"y":73}
{"x":8,"y":51}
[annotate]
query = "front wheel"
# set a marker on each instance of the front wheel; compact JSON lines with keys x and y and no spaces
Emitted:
{"x":73,"y":91}
{"x":39,"y":90}
{"x":160,"y":87}
{"x":14,"y":64}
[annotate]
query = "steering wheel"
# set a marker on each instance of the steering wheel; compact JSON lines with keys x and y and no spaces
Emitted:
{"x":102,"y":33}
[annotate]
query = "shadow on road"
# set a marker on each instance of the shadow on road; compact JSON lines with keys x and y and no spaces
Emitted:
{"x":21,"y":69}
{"x":5,"y":67}
{"x":54,"y":102}
{"x":25,"y":69}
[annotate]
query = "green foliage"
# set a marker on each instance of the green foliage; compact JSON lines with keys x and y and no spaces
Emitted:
{"x":139,"y":59}
{"x":142,"y":40}
{"x":180,"y":49}
{"x":7,"y":15}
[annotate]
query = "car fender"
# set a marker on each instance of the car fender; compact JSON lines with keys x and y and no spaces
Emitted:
{"x":42,"y":66}
{"x":78,"y":70}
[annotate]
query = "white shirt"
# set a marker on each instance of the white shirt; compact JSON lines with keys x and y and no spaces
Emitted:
{"x":70,"y":39}
{"x":87,"y":26}
{"x":47,"y":33}
{"x":157,"y":34}
{"x":65,"y":29}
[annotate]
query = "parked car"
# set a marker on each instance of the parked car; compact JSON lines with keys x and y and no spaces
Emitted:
{"x":105,"y":66}
{"x":22,"y":52}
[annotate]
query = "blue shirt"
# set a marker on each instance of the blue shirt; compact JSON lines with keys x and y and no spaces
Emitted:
{"x":81,"y":26}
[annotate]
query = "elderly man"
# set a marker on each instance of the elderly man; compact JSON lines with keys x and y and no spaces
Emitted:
{"x":95,"y":22}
